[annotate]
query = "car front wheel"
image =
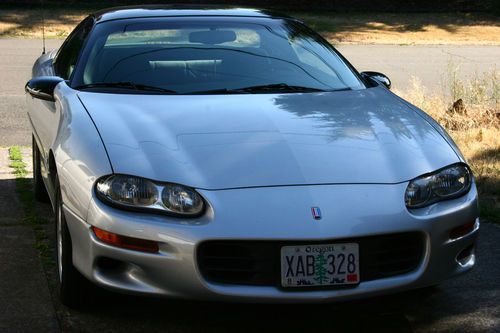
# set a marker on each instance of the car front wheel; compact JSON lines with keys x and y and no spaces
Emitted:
{"x":74,"y":289}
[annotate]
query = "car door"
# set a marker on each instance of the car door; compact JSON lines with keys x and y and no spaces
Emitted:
{"x":44,"y":115}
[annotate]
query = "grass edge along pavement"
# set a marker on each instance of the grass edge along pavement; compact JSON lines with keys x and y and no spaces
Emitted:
{"x":24,"y":189}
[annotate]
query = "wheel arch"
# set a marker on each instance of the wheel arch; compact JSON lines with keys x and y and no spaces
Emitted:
{"x":51,"y":179}
{"x":77,"y":156}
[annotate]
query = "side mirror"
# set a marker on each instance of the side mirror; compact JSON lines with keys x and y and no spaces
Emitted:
{"x":42,"y":87}
{"x":379,"y":77}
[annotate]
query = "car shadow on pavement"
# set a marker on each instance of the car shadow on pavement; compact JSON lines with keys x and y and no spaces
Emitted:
{"x":136,"y":314}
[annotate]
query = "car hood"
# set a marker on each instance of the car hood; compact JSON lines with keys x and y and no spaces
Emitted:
{"x":252,"y":140}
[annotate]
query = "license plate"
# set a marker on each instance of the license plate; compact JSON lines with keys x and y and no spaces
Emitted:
{"x":320,"y":265}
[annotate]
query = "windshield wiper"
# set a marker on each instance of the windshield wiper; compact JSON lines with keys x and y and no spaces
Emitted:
{"x":222,"y":91}
{"x":126,"y":85}
{"x":280,"y":87}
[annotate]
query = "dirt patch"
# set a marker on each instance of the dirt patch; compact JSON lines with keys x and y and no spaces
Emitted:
{"x":28,"y":22}
{"x":415,"y":28}
{"x":375,"y":28}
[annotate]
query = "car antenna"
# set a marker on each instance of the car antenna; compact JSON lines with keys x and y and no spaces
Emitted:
{"x":43,"y":27}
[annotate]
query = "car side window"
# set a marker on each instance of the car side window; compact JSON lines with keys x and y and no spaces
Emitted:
{"x":68,"y":54}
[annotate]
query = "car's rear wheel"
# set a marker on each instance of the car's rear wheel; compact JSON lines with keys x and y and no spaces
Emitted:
{"x":39,"y":189}
{"x":74,"y":289}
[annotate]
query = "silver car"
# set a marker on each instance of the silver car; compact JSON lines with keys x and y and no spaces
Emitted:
{"x":233,"y":154}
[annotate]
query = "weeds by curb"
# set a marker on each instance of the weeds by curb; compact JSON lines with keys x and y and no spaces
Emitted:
{"x":24,"y":188}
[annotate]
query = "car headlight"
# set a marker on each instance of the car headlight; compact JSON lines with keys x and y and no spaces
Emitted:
{"x":447,"y":183}
{"x":138,"y":193}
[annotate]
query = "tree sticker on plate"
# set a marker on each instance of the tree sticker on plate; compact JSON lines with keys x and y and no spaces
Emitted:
{"x":320,"y":265}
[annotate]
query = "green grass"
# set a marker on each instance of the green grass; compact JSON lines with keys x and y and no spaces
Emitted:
{"x":17,"y":162}
{"x":15,"y":154}
{"x":24,"y":188}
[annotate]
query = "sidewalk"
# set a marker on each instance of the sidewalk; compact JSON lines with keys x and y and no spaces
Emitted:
{"x":25,"y":301}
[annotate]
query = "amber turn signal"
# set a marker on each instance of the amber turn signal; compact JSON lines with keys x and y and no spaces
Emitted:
{"x":126,"y":242}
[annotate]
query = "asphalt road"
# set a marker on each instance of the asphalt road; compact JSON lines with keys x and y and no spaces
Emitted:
{"x":427,"y":62}
{"x":431,"y":64}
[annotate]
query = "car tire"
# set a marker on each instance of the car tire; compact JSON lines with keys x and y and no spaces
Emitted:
{"x":74,"y":289}
{"x":39,"y":190}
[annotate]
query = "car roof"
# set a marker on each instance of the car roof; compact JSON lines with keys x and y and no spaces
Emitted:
{"x":117,"y":13}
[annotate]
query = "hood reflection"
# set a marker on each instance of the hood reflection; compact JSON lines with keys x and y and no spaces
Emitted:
{"x":360,"y":114}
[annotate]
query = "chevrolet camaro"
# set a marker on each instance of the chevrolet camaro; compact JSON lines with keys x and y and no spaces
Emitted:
{"x":234,"y":154}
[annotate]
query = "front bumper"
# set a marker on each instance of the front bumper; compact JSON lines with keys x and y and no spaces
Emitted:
{"x":273,"y":213}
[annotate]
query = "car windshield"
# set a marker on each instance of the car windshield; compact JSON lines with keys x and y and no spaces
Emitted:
{"x":210,"y":55}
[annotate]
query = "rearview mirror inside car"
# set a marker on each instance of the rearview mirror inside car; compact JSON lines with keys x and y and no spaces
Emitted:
{"x":212,"y":37}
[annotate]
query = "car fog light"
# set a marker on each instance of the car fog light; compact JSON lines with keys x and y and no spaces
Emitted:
{"x":465,"y":255}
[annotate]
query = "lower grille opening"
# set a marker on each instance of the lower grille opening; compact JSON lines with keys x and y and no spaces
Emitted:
{"x":258,"y":262}
{"x":464,"y":256}
{"x":110,"y":265}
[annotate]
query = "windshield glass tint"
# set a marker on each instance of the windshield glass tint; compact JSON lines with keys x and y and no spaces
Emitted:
{"x":192,"y":55}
